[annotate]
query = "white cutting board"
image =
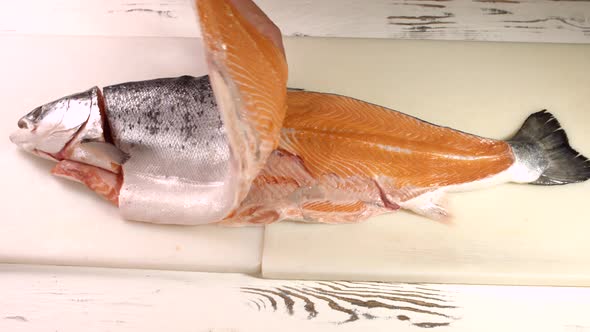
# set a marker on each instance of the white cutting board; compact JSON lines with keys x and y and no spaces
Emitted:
{"x":510,"y":234}
{"x":49,"y":220}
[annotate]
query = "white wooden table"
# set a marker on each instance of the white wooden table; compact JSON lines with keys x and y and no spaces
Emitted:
{"x":485,"y":20}
{"x":127,"y":294}
{"x":37,"y":298}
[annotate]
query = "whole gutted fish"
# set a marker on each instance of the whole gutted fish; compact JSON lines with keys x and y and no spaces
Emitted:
{"x":237,"y":147}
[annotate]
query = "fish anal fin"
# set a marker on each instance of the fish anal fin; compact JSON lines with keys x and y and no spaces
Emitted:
{"x":106,"y":184}
{"x":432,"y":205}
{"x":252,"y":216}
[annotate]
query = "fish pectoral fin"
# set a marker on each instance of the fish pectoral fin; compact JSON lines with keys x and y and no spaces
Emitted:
{"x":104,"y":183}
{"x":96,"y":153}
{"x":105,"y":151}
{"x":432,"y":205}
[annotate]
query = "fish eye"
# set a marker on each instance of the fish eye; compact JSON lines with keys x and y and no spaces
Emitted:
{"x":23,"y":124}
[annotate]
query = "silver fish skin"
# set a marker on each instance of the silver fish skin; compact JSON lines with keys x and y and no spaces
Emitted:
{"x":164,"y":138}
{"x":179,"y":167}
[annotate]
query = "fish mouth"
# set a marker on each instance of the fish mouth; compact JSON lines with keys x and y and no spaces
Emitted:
{"x":23,"y":139}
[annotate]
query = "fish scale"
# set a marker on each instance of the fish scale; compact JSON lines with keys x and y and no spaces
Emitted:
{"x":176,"y":119}
{"x":179,"y":154}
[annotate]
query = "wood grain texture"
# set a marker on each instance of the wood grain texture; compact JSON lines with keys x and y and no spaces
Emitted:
{"x":342,"y":302}
{"x":65,"y":299}
{"x":484,"y":20}
{"x":171,"y":18}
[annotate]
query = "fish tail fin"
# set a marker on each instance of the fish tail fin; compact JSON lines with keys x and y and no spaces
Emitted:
{"x":542,"y":147}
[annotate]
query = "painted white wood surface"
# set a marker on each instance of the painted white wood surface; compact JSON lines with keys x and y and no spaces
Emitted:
{"x":52,"y":221}
{"x":514,"y":20}
{"x":509,"y":234}
{"x":489,"y":20}
{"x":156,"y":18}
{"x":67,"y":299}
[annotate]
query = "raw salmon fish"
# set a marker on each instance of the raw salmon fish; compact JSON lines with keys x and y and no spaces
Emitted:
{"x":343,"y":160}
{"x":237,"y":147}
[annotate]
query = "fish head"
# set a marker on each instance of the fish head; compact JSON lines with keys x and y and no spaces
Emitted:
{"x":46,"y":130}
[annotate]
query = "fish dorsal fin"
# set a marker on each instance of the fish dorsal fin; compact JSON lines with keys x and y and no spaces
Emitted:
{"x":248,"y":72}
